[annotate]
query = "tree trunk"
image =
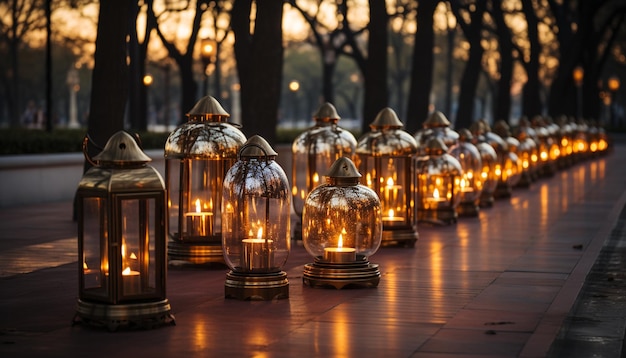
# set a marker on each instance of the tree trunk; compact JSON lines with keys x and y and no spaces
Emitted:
{"x":259,"y":63}
{"x":531,"y":100}
{"x":421,"y":67}
{"x":375,"y":74}
{"x":502,"y":108}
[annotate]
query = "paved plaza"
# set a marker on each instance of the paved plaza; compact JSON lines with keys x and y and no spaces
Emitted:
{"x":510,"y":283}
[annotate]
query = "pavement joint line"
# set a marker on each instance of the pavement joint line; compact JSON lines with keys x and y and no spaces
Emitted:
{"x":27,"y":259}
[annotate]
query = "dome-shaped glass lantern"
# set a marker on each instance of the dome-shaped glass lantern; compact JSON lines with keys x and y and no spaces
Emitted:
{"x":489,"y":160}
{"x":512,"y":167}
{"x":470,"y":183}
{"x":313,"y":152}
{"x":256,"y":211}
{"x":384,"y":157}
{"x":438,"y":177}
{"x":197,"y":156}
{"x":342,"y":228}
{"x":121,"y":238}
{"x":526,"y":150}
{"x":566,"y":142}
{"x":581,"y":142}
{"x":547,"y":148}
{"x":436,"y":125}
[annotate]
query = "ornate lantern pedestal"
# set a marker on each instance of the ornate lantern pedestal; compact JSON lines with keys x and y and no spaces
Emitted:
{"x":197,"y":156}
{"x":470,"y":183}
{"x":438,"y":175}
{"x":313,"y":152}
{"x":384,"y":157}
{"x":121,"y":239}
{"x":341,"y":228}
{"x":256,"y":224}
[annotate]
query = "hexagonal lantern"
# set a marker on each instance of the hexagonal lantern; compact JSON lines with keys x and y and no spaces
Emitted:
{"x":436,"y":125}
{"x":256,"y":218}
{"x":489,"y":160}
{"x":470,"y":183}
{"x":341,"y":228}
{"x":122,"y":267}
{"x":384,"y":157}
{"x":197,"y":156}
{"x":313,"y":152}
{"x":437,"y":182}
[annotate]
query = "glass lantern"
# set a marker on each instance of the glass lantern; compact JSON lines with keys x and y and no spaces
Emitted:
{"x":513,"y":166}
{"x":470,"y":183}
{"x":489,"y":161}
{"x":436,"y":125}
{"x":438,"y":177}
{"x":566,"y":142}
{"x":256,"y":210}
{"x":197,"y":156}
{"x":342,"y":227}
{"x":121,"y":239}
{"x":546,"y":147}
{"x":384,"y":156}
{"x":313,"y":152}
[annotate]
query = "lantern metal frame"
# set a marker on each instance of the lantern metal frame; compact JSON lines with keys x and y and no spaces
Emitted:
{"x":341,"y":255}
{"x":197,"y":156}
{"x":121,"y":239}
{"x":437,"y":178}
{"x":256,"y":237}
{"x":313,"y":152}
{"x":384,"y":157}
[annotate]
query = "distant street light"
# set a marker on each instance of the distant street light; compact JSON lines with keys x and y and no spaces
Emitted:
{"x":578,"y":74}
{"x":294,"y":87}
{"x":208,"y":49}
{"x":613,"y":84}
{"x":148,"y":80}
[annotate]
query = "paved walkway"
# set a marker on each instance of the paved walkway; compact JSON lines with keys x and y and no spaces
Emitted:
{"x":498,"y":285}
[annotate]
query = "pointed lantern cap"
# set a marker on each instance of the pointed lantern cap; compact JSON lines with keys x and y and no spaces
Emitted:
{"x":343,"y":172}
{"x":436,"y":146}
{"x":437,"y":120}
{"x":208,"y":108}
{"x":386,"y":118}
{"x":465,"y":135}
{"x":326,"y":113}
{"x":121,"y":150}
{"x":257,"y":147}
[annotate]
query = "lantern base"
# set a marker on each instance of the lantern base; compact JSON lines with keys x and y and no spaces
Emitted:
{"x":195,"y":253}
{"x":468,"y":209}
{"x":437,"y":217}
{"x":256,"y":286}
{"x":144,"y":315}
{"x":525,"y":180}
{"x":359,"y":273}
{"x":401,"y":237}
{"x":503,"y":191}
{"x":486,"y":200}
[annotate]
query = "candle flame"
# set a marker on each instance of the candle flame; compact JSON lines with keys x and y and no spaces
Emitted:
{"x":126,"y":271}
{"x":85,"y":267}
{"x":259,"y":234}
{"x":391,"y":213}
{"x":316,"y":178}
{"x":133,"y":256}
{"x":340,"y":241}
{"x":390,"y":181}
{"x":198,"y":207}
{"x":436,"y":194}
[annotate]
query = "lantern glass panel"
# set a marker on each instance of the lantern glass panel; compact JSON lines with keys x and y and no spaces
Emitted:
{"x":342,"y":217}
{"x":94,"y":248}
{"x":388,"y":177}
{"x":256,"y":217}
{"x":470,"y":183}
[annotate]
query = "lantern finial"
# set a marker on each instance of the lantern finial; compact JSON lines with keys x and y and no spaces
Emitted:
{"x":343,"y":168}
{"x":257,"y":146}
{"x":207,"y":107}
{"x":437,"y":119}
{"x":386,"y":118}
{"x":122,"y":149}
{"x":326,"y":113}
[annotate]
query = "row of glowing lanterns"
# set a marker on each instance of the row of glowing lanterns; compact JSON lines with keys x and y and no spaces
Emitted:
{"x":226,"y":200}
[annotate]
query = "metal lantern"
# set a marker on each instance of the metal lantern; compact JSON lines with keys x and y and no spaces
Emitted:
{"x":342,"y":228}
{"x":470,"y":183}
{"x":436,"y":125}
{"x":526,"y":150}
{"x":547,"y":148}
{"x":384,"y":157}
{"x":313,"y":152}
{"x":121,"y":238}
{"x":256,"y":207}
{"x":513,"y":166}
{"x":198,"y":154}
{"x":489,"y":160}
{"x":438,"y":177}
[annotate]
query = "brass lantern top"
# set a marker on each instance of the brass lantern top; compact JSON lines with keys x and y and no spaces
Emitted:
{"x":437,"y":120}
{"x":206,"y":135}
{"x":121,"y":150}
{"x":343,"y":172}
{"x":326,"y":113}
{"x":387,"y":137}
{"x":436,"y":146}
{"x":257,"y":147}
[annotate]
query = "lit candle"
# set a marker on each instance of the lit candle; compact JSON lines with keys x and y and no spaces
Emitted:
{"x":199,"y":223}
{"x":131,"y":282}
{"x":391,"y":217}
{"x":340,"y":254}
{"x":257,"y":252}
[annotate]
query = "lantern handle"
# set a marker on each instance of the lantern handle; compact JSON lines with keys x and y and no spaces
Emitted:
{"x":253,"y":145}
{"x":86,"y":141}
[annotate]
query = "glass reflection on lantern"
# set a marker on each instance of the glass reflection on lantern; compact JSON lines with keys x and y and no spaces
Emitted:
{"x":437,"y":181}
{"x":489,"y":161}
{"x":436,"y":125}
{"x":384,"y":157}
{"x":470,"y":183}
{"x":256,"y":224}
{"x":341,"y":228}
